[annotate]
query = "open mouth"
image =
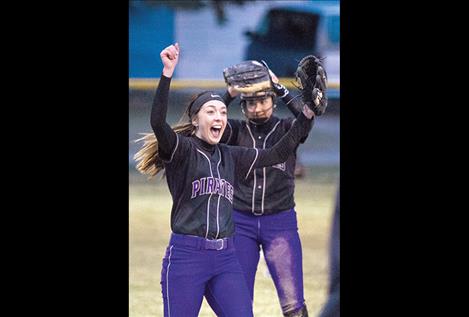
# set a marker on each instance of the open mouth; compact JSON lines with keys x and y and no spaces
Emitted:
{"x":216,"y":131}
{"x":260,"y":115}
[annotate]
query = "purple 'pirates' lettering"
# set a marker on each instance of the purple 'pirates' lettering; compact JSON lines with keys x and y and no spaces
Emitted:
{"x":221,"y":188}
{"x":195,"y":188}
{"x":229,"y":192}
{"x":280,"y":166}
{"x":202,"y":186}
{"x":210,"y":184}
{"x":217,"y":186}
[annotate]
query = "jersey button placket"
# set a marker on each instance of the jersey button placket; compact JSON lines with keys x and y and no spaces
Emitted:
{"x":214,"y":200}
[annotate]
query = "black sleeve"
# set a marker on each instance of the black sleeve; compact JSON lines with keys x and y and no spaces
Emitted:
{"x":286,"y":145}
{"x":247,"y":159}
{"x":231,"y":132}
{"x":227,"y":98}
{"x":231,"y":126}
{"x":290,"y":123}
{"x":167,"y":138}
{"x":294,"y":104}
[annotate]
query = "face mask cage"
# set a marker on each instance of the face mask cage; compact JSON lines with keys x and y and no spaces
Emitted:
{"x":256,"y":96}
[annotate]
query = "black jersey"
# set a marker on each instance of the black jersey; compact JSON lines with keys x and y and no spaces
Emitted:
{"x":201,"y":176}
{"x":270,"y":189}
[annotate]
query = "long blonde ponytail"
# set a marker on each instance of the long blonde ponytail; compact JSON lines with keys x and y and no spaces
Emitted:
{"x":147,"y":158}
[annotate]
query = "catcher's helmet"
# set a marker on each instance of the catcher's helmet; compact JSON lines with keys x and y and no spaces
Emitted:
{"x":257,"y":95}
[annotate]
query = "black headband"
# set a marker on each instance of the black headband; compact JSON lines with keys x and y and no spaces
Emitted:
{"x":201,"y":100}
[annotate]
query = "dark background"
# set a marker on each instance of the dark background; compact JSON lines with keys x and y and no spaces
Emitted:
{"x":75,"y":168}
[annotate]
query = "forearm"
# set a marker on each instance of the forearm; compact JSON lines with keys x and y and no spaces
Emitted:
{"x":293,"y":104}
{"x":287,"y":145}
{"x":163,"y":132}
{"x":227,"y":98}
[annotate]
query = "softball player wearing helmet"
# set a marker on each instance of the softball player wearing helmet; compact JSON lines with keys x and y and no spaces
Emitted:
{"x":200,"y":173}
{"x":264,"y":213}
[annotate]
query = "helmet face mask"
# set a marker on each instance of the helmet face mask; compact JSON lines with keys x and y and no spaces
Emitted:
{"x":258,"y":107}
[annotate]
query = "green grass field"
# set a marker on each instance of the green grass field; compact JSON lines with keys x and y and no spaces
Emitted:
{"x":150,"y":205}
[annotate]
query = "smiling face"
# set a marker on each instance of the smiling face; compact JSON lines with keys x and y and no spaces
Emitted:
{"x":259,"y":108}
{"x":211,"y":121}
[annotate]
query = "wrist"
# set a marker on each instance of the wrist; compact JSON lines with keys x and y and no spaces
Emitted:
{"x":308,"y":112}
{"x":232,"y":92}
{"x":168,"y":72}
{"x":280,"y":90}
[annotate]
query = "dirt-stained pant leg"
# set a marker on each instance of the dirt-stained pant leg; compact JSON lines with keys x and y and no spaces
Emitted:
{"x":278,"y":236}
{"x":283,"y":254}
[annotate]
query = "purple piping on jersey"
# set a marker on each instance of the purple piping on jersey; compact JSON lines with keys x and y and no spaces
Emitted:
{"x":175,"y":148}
{"x":208,"y":202}
{"x":289,"y":100}
{"x":263,"y":190}
{"x":254,"y":172}
{"x":253,"y":162}
{"x":167,"y":279}
{"x":219,"y":196}
{"x":263,"y":170}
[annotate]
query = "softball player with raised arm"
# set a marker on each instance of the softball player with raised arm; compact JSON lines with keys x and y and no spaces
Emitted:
{"x":264,"y":206}
{"x":200,"y":173}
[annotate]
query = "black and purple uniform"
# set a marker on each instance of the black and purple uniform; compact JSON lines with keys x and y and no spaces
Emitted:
{"x":201,"y":256}
{"x":264,"y":213}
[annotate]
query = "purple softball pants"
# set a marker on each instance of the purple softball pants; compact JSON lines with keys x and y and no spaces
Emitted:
{"x":278,"y":237}
{"x":194,"y":266}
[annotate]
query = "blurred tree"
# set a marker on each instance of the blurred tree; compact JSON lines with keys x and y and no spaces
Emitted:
{"x":217,"y":5}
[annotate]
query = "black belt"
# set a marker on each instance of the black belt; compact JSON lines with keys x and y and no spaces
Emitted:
{"x":201,"y":243}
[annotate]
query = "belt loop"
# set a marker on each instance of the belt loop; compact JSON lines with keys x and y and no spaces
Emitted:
{"x":222,"y":243}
